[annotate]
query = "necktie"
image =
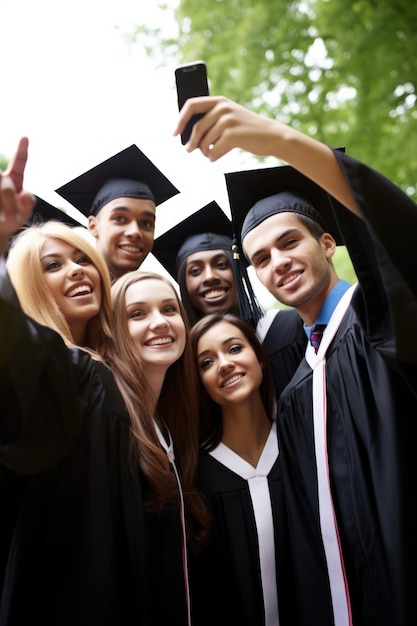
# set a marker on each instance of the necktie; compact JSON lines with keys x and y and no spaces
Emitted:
{"x":316,"y":335}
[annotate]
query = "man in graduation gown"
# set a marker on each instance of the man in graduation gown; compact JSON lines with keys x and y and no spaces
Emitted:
{"x":203,"y":239}
{"x":344,"y":443}
{"x":119,"y":197}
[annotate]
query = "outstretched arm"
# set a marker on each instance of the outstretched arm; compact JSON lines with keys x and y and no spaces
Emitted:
{"x":16,"y":205}
{"x":227,"y":125}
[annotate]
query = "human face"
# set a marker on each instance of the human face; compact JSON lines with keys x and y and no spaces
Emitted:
{"x":124,"y":229}
{"x":229,"y":368}
{"x":155,"y":322}
{"x":210,"y":282}
{"x":74,"y":282}
{"x":294,"y":267}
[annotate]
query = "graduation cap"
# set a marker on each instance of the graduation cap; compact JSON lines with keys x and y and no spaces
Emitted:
{"x":44,"y":212}
{"x":208,"y":228}
{"x":255,"y":195}
{"x":127,"y":174}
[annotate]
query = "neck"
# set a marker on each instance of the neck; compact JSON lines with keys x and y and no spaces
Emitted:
{"x":310,"y":310}
{"x":79,"y":334}
{"x":155,"y":379}
{"x":246,"y":428}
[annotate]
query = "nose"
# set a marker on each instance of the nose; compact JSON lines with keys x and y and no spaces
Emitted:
{"x":209,"y":274}
{"x":132,"y":229}
{"x":224,"y":364}
{"x":158,"y":320}
{"x":279,"y":260}
{"x":76,"y":270}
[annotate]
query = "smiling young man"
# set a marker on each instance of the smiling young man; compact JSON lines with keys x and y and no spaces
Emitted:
{"x":198,"y":253}
{"x":119,"y":197}
{"x":344,"y":419}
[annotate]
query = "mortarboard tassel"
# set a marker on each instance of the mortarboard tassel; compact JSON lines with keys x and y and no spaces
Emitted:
{"x":249,"y":307}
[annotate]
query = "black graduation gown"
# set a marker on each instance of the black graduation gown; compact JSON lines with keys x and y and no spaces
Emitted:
{"x":229,"y":576}
{"x":285,"y":343}
{"x":371,"y":376}
{"x":77,"y":548}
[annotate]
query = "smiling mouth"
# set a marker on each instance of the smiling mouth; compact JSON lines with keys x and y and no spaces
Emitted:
{"x":213,"y":294}
{"x":160,"y":341}
{"x":231,"y":380}
{"x":131,"y":249}
{"x":290,"y":278}
{"x":79,"y":291}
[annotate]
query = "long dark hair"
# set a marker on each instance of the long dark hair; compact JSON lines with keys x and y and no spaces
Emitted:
{"x":211,"y":429}
{"x":177,"y":406}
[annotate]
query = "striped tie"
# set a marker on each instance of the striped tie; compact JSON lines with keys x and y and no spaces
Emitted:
{"x":316,"y":335}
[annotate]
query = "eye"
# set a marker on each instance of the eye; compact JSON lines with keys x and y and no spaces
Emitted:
{"x":194,"y":271}
{"x":205,"y":363}
{"x":83,"y":260}
{"x":235,"y":349}
{"x":147,"y":225}
{"x":169,"y":309}
{"x":223,"y":265}
{"x":261,"y":261}
{"x":290,"y":242}
{"x":118,"y":218}
{"x":51,"y":266}
{"x":136,"y":314}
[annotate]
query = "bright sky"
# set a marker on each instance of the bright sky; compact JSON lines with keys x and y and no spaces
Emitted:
{"x":81,"y":93}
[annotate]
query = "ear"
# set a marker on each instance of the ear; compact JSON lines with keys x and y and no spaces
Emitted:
{"x":92,"y":226}
{"x":328,"y":244}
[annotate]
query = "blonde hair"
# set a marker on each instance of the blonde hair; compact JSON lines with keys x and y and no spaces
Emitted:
{"x":36,"y":299}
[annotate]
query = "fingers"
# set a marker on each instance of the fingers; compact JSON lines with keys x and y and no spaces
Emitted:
{"x":225,"y":125}
{"x":17,"y":164}
{"x":16,"y":205}
{"x":204,"y":131}
{"x":192,"y":106}
{"x":210,"y":134}
{"x":15,"y":208}
{"x":7,"y":197}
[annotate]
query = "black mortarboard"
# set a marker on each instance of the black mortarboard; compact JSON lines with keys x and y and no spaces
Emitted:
{"x":44,"y":212}
{"x":208,"y":228}
{"x":128,"y":173}
{"x":255,"y":195}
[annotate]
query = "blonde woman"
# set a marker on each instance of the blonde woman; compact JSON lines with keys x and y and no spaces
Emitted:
{"x":81,"y":512}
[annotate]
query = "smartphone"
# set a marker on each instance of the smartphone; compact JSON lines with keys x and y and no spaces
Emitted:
{"x":191,"y":81}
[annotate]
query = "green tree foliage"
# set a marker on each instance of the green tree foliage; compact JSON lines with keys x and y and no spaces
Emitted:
{"x":344,"y":72}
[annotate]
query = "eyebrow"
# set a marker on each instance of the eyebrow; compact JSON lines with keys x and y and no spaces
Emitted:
{"x":224,"y":343}
{"x":213,"y":257}
{"x":278,"y":239}
{"x":55,"y":255}
{"x":145,"y":303}
{"x":121,"y":207}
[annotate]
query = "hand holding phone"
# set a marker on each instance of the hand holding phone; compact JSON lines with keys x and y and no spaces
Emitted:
{"x":191,"y":81}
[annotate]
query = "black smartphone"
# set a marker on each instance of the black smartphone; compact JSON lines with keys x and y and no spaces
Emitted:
{"x":191,"y":81}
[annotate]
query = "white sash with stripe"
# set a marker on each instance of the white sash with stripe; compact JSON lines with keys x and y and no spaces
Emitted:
{"x":169,"y":449}
{"x":331,"y":541}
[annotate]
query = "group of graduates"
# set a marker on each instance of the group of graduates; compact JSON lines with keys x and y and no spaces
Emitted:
{"x":184,"y":456}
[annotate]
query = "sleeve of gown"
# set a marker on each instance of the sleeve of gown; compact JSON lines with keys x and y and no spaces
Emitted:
{"x":381,"y":247}
{"x":46,"y":389}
